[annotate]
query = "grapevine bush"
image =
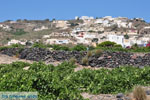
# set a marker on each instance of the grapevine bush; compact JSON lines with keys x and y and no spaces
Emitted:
{"x":62,"y":83}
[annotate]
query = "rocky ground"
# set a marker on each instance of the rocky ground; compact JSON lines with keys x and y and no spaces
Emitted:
{"x":119,"y":96}
{"x":105,"y":59}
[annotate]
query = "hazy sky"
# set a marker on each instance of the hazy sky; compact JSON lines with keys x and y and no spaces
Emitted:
{"x":68,"y":9}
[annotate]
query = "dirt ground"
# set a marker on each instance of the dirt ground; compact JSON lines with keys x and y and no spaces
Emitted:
{"x":4,"y":59}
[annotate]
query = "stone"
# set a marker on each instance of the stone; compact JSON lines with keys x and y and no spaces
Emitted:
{"x":127,"y":98}
{"x":100,"y":58}
{"x":119,"y":99}
{"x":26,"y":68}
{"x":106,"y":59}
{"x":109,"y":57}
{"x":134,"y":57}
{"x":147,"y":92}
{"x":120,"y":95}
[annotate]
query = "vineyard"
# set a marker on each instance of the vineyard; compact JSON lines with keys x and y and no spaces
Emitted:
{"x":63,"y":83}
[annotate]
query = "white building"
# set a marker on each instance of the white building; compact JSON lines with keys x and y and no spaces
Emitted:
{"x":61,"y":24}
{"x":62,"y":41}
{"x":13,"y":41}
{"x":86,"y":18}
{"x":108,"y":18}
{"x":41,"y":28}
{"x":46,"y":36}
{"x":5,"y":27}
{"x":76,"y":18}
{"x":57,"y":41}
{"x":99,"y":21}
{"x":119,"y":39}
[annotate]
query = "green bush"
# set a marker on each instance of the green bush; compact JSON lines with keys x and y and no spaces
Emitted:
{"x":12,"y":46}
{"x":73,"y":60}
{"x":98,"y":52}
{"x":85,"y":61}
{"x":39,"y":45}
{"x":19,"y":32}
{"x":60,"y":47}
{"x":79,"y":47}
{"x":61,"y":82}
{"x":118,"y":45}
{"x":89,"y":54}
{"x":126,"y":36}
{"x":107,"y":44}
{"x":4,"y":47}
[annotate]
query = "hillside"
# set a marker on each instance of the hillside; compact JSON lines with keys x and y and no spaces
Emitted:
{"x":36,"y":29}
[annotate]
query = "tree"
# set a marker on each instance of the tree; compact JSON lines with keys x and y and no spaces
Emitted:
{"x":53,"y":19}
{"x":95,"y":40}
{"x":107,"y":44}
{"x":126,"y":36}
{"x":47,"y":20}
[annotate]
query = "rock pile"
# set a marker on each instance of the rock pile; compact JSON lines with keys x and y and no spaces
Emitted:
{"x":116,"y":59}
{"x":39,"y":54}
{"x":105,"y":59}
{"x":11,"y":51}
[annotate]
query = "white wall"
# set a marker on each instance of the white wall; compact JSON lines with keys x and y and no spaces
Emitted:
{"x":116,"y":39}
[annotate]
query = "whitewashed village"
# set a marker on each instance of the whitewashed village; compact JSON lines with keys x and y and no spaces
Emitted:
{"x":89,"y":31}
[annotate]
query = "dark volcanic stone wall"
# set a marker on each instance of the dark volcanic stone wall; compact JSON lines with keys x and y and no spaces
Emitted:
{"x":106,"y":59}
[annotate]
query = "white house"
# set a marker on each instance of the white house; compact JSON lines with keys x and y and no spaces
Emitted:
{"x":13,"y":41}
{"x":5,"y":27}
{"x":57,"y":41}
{"x":108,"y":17}
{"x":62,"y":41}
{"x":119,"y":39}
{"x":76,"y":18}
{"x":46,"y":36}
{"x":99,"y":21}
{"x":86,"y":18}
{"x":61,"y":23}
{"x":41,"y":28}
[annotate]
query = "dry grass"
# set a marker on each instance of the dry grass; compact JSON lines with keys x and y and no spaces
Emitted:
{"x":139,"y":93}
{"x":89,"y":54}
{"x":85,"y":61}
{"x":98,"y":52}
{"x":73,"y":60}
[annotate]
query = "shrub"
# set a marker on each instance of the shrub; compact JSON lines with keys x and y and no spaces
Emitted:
{"x":100,"y":32}
{"x":89,"y":54}
{"x":126,"y":36}
{"x":61,"y":82}
{"x":91,"y":31}
{"x":59,"y":47}
{"x":118,"y":45}
{"x":2,"y":48}
{"x":19,"y":32}
{"x":73,"y":60}
{"x":95,"y":40}
{"x":85,"y":61}
{"x":98,"y":52}
{"x":139,"y":93}
{"x":79,"y":47}
{"x":39,"y":45}
{"x":91,"y":48}
{"x":12,"y":46}
{"x":16,"y":46}
{"x":107,"y":44}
